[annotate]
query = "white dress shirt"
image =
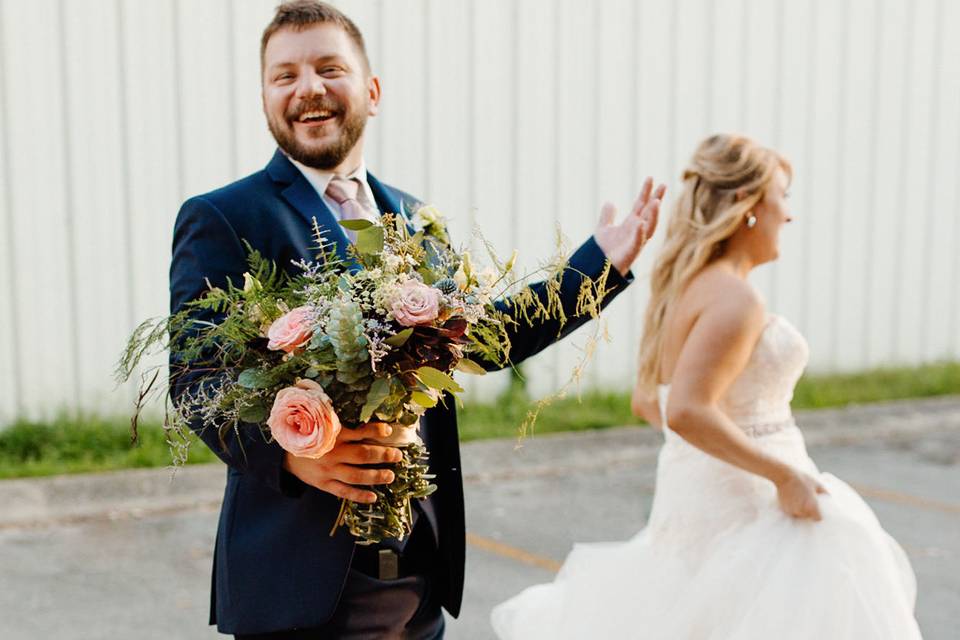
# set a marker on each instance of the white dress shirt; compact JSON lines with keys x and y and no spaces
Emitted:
{"x":321,"y":179}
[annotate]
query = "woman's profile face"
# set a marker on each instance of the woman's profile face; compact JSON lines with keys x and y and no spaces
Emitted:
{"x":772,"y":213}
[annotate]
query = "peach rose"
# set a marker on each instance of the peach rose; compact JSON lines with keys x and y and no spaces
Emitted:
{"x":291,"y":331}
{"x":302,"y":420}
{"x":416,"y":304}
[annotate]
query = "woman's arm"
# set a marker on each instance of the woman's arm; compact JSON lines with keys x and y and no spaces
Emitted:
{"x":646,"y":407}
{"x":715,"y":352}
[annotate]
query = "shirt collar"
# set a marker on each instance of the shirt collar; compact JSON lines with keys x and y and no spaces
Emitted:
{"x":321,"y":179}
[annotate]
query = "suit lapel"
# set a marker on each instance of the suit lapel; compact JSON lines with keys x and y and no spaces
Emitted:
{"x":390,"y":200}
{"x":300,"y":194}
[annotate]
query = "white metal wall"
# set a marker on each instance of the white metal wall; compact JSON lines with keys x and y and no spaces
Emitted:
{"x":510,"y":114}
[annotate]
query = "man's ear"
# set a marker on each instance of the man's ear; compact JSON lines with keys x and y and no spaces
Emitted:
{"x":373,"y":95}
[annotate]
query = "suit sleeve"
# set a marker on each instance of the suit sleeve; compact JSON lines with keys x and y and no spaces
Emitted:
{"x":587,"y":262}
{"x":207,"y":248}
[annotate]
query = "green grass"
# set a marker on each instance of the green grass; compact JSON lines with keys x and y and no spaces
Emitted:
{"x":81,"y":444}
{"x":92,"y":443}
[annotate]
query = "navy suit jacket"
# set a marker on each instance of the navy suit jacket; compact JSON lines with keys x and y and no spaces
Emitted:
{"x":275,"y":565}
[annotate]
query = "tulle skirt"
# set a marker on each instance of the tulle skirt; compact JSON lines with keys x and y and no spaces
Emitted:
{"x":719,"y":560}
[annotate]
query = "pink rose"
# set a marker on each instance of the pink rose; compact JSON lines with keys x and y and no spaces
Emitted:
{"x":416,"y":304}
{"x":302,"y":420}
{"x":292,"y":330}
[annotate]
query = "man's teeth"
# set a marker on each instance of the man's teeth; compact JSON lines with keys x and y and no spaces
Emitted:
{"x":316,"y":115}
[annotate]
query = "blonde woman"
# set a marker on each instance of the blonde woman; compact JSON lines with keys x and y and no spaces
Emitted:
{"x":746,"y":538}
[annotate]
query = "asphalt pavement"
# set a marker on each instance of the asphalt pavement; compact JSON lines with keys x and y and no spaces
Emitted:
{"x":128,"y":554}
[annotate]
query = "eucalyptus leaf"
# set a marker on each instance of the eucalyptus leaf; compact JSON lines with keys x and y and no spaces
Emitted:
{"x":356,"y":224}
{"x":400,"y":339}
{"x":255,"y":413}
{"x":436,"y":379}
{"x":423,"y":399}
{"x":379,"y":391}
{"x":370,"y":240}
{"x":469,"y":366}
{"x":254,"y":379}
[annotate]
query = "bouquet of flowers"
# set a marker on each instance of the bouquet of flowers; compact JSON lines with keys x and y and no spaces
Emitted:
{"x":344,"y":342}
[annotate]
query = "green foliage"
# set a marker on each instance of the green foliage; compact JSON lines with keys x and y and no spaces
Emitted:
{"x":84,"y":444}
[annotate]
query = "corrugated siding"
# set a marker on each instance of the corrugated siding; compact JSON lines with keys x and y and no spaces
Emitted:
{"x":513,"y":116}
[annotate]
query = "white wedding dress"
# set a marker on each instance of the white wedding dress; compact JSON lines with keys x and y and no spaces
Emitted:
{"x":718,"y":559}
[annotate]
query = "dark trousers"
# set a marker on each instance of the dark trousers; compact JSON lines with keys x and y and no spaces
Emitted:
{"x":371,"y":609}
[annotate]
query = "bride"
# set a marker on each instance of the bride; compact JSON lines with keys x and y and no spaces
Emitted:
{"x":747,"y":539}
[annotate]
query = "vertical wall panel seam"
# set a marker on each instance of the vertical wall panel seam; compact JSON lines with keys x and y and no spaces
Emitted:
{"x":901,"y":198}
{"x":927,"y":211}
{"x":871,"y":204}
{"x":634,"y":119}
{"x":126,"y":198}
{"x":515,"y":128}
{"x":778,"y":73}
{"x":557,"y":150}
{"x":428,"y":114}
{"x":744,"y":60}
{"x":840,"y":159}
{"x":232,"y":90}
{"x":709,"y":46}
{"x":69,"y":208}
{"x":13,"y":298}
{"x":673,"y":65}
{"x":954,"y":290}
{"x":593,"y":370}
{"x":472,"y":121}
{"x":808,"y":151}
{"x":381,"y":40}
{"x":177,"y":99}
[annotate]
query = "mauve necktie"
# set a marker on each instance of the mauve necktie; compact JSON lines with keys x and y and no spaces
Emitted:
{"x":344,"y":192}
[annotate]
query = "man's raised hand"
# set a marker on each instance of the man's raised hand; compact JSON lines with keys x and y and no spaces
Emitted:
{"x":621,"y":243}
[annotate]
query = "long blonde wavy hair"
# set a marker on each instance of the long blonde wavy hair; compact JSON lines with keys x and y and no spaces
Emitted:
{"x":725,"y":180}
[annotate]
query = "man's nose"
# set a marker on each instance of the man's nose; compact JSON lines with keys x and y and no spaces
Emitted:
{"x":311,"y":84}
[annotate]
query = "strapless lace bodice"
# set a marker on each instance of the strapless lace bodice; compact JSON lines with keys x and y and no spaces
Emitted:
{"x":759,"y":399}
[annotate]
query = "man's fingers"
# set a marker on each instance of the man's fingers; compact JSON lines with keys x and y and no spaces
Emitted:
{"x":369,"y":431}
{"x":649,"y":218}
{"x":370,"y":454}
{"x":607,"y":215}
{"x":358,"y":475}
{"x":644,"y":196}
{"x":342,"y":490}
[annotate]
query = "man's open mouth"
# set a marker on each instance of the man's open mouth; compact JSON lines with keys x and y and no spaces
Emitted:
{"x":316,"y":117}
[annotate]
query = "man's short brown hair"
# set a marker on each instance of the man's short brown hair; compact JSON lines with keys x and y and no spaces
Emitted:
{"x":301,"y":14}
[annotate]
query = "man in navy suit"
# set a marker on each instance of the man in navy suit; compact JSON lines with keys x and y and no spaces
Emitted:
{"x":277,"y":571}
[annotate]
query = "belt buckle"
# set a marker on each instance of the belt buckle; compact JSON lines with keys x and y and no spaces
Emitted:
{"x":388,"y":564}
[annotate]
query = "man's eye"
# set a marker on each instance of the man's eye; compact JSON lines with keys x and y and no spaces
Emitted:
{"x":285,"y":76}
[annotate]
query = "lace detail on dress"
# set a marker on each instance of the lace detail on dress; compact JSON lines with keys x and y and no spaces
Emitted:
{"x":759,"y":399}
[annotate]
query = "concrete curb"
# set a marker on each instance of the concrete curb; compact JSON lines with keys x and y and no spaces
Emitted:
{"x":119,"y":494}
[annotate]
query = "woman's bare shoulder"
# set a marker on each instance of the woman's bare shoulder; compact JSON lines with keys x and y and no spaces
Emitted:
{"x":716,"y":290}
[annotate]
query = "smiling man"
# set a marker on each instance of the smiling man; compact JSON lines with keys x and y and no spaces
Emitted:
{"x":278,"y":573}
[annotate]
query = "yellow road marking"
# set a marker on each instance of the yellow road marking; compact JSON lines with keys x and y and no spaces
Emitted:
{"x":906,"y":499}
{"x":525,"y":557}
{"x":513,"y":553}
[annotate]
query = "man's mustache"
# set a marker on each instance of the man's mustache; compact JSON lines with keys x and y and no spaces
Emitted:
{"x":313,"y":104}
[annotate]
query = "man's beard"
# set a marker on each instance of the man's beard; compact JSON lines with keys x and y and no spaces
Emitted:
{"x":330,"y":155}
